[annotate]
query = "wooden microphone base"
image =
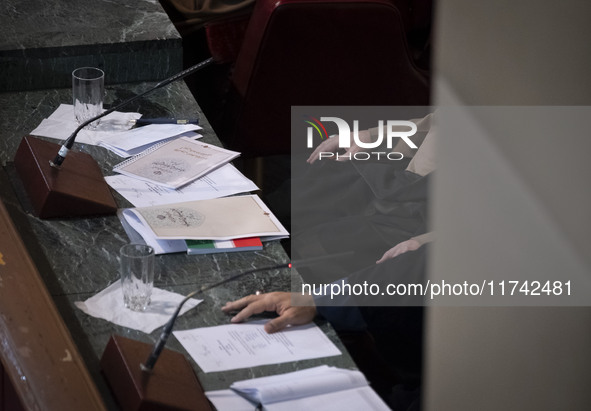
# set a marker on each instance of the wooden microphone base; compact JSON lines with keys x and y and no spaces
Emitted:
{"x":171,"y":385}
{"x":77,"y":189}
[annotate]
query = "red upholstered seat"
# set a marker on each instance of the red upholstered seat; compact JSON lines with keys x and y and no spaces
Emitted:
{"x":319,"y":52}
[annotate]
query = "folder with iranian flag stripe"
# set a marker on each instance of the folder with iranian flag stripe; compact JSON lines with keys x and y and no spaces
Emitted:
{"x":223,"y":246}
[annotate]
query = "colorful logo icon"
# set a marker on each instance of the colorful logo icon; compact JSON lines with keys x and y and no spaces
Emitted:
{"x":316,"y":125}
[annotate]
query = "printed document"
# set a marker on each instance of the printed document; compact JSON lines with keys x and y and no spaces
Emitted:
{"x":234,"y":346}
{"x":222,"y":182}
{"x":132,"y":142}
{"x":176,"y":162}
{"x":216,"y":219}
{"x":317,"y":388}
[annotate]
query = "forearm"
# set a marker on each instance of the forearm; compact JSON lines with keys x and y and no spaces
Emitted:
{"x":424,"y":238}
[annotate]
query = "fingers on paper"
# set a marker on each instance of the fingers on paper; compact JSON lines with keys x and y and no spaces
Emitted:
{"x":291,"y":316}
{"x":248,"y":306}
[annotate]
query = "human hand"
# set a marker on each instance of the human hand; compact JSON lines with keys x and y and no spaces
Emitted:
{"x":280,"y":302}
{"x":400,"y":248}
{"x":331,"y":145}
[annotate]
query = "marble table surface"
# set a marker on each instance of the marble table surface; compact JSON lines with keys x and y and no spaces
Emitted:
{"x":42,"y":42}
{"x":78,"y":257}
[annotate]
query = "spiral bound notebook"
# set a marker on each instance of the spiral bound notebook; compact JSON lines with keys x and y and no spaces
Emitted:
{"x":176,"y":162}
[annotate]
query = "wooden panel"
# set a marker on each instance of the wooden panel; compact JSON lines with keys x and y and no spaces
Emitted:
{"x":9,"y":401}
{"x":39,"y":357}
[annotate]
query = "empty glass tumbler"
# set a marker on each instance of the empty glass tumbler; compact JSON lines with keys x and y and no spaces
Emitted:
{"x":137,"y":275}
{"x":88,"y":89}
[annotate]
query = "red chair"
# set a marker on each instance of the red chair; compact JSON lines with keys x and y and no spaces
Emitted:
{"x":318,"y":52}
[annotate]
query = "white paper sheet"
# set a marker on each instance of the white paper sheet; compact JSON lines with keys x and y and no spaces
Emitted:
{"x":228,"y":400}
{"x":108,"y":305}
{"x":363,"y":398}
{"x":61,"y":123}
{"x":114,"y":131}
{"x":234,"y":346}
{"x":317,"y":388}
{"x":304,"y":383}
{"x":131,"y":142}
{"x":224,"y":181}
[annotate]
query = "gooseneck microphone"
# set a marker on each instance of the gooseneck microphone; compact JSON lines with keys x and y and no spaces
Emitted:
{"x":172,"y":384}
{"x":151,"y":361}
{"x":67,"y":145}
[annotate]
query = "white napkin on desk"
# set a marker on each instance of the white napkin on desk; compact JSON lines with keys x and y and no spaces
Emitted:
{"x":108,"y":305}
{"x":61,"y":123}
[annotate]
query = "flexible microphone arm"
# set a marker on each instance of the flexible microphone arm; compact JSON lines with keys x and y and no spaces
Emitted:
{"x":151,"y":361}
{"x":65,"y":148}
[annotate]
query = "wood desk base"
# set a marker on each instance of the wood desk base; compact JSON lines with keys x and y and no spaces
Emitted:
{"x":77,"y":189}
{"x":36,"y":349}
{"x":172,"y":384}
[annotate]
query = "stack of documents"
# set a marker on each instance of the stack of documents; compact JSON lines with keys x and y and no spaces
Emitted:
{"x":222,"y":182}
{"x":319,"y":388}
{"x":175,"y":163}
{"x":113,"y":132}
{"x":167,"y":227}
{"x":136,"y":141}
{"x":167,"y":166}
{"x":172,"y":169}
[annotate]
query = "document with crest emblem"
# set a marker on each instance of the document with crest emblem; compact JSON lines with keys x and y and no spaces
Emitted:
{"x":176,"y":163}
{"x":216,"y":219}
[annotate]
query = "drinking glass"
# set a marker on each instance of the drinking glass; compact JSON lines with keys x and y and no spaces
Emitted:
{"x":88,"y":89}
{"x":137,"y":275}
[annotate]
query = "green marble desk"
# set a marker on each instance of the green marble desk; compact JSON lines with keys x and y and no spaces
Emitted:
{"x":43,"y":41}
{"x":78,"y":257}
